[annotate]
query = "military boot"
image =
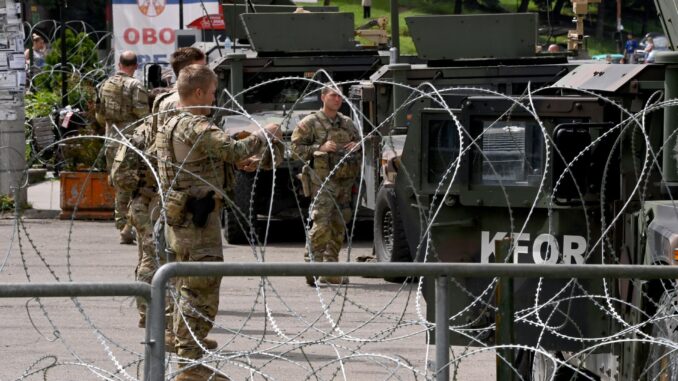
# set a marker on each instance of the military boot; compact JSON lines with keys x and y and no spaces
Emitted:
{"x":170,"y":343}
{"x":210,"y":344}
{"x":334,"y":279}
{"x":126,"y":235}
{"x":200,"y":373}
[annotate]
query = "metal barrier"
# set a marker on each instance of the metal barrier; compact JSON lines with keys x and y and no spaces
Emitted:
{"x":155,"y":336}
{"x":75,"y":289}
{"x":155,"y":331}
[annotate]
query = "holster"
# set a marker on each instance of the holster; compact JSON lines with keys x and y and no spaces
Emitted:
{"x":201,"y":208}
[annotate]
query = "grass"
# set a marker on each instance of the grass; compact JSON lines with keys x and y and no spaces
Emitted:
{"x":381,"y":8}
{"x":416,"y":7}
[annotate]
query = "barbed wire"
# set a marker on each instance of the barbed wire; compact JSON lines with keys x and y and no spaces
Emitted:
{"x":345,"y":330}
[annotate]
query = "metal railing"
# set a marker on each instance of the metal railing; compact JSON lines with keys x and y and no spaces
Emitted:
{"x":82,"y":289}
{"x":441,"y":272}
{"x":154,"y":353}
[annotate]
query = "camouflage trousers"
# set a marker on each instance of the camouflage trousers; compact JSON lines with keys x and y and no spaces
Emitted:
{"x":198,"y":296}
{"x":122,"y":199}
{"x":143,"y":212}
{"x":330,"y":213}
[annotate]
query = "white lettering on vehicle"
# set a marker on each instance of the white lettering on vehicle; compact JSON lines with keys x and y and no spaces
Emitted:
{"x":544,"y":248}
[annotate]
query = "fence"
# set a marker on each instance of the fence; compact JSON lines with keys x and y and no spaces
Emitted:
{"x":155,"y":340}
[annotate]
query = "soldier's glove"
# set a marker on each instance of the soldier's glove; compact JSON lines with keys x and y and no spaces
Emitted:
{"x":201,"y":208}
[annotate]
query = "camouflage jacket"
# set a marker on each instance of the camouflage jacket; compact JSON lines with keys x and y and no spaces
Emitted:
{"x":315,"y":129}
{"x":121,"y":100}
{"x":192,"y":153}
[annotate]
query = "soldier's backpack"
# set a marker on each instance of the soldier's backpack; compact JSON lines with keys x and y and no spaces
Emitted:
{"x":125,"y":170}
{"x":113,"y":101}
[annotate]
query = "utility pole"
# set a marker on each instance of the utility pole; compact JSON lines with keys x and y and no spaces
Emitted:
{"x":12,"y":138}
{"x":64,"y":76}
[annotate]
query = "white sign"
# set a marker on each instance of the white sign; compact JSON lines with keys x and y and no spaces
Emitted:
{"x":544,"y":249}
{"x":146,"y":27}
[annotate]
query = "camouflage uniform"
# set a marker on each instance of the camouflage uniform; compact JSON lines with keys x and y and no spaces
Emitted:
{"x":122,"y":100}
{"x":132,"y":174}
{"x":332,"y":207}
{"x":201,"y":149}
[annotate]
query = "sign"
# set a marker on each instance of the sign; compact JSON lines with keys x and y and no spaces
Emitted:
{"x":146,"y":27}
{"x":542,"y":249}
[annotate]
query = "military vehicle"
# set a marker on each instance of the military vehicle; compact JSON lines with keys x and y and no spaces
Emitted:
{"x":551,"y":153}
{"x":269,"y":80}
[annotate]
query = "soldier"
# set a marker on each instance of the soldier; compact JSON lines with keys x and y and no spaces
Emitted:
{"x":323,"y":139}
{"x":191,"y":156}
{"x":143,"y":209}
{"x":121,"y":101}
{"x":182,"y":57}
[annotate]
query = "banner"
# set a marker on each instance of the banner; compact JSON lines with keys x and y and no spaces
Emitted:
{"x":147,"y":27}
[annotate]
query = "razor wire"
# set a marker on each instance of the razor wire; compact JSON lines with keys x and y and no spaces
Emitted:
{"x":291,"y":337}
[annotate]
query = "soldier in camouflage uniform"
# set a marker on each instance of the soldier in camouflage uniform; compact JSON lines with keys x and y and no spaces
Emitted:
{"x":122,"y":100}
{"x":324,"y":139}
{"x":188,"y":146}
{"x":165,"y":106}
{"x":144,"y":207}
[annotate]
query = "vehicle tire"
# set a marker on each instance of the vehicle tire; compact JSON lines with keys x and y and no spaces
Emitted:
{"x":237,"y":230}
{"x":390,"y":243}
{"x":661,"y":359}
{"x":535,"y":366}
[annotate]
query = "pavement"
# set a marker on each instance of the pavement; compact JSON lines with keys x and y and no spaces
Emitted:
{"x":275,"y":328}
{"x":45,"y":196}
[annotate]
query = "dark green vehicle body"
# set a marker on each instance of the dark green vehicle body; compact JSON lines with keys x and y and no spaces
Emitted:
{"x":272,"y":80}
{"x":551,"y":183}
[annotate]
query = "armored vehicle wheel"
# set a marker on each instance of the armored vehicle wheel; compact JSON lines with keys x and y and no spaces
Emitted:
{"x":662,"y":359}
{"x":238,"y":225}
{"x":535,"y":366}
{"x":390,"y":244}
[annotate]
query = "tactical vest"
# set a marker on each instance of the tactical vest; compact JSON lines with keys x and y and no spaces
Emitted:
{"x":158,"y":120}
{"x":116,"y":99}
{"x":324,"y":163}
{"x":183,"y":169}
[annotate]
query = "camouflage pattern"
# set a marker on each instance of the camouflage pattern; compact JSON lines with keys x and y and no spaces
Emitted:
{"x":199,"y":148}
{"x":332,"y":208}
{"x":144,"y":207}
{"x":143,"y":211}
{"x":122,"y":100}
{"x":166,"y":107}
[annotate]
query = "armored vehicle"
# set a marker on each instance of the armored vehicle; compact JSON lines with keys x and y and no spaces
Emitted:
{"x":276,"y":78}
{"x":392,"y":108}
{"x":570,"y":161}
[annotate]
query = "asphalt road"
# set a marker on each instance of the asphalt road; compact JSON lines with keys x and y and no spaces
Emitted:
{"x":277,"y":329}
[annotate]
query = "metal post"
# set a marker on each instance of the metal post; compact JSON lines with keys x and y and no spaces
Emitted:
{"x":236,"y":82}
{"x":669,"y":171}
{"x":181,"y":14}
{"x":395,"y":26}
{"x":155,"y":326}
{"x":504,"y":315}
{"x":64,"y":77}
{"x":400,"y":94}
{"x":442,"y":331}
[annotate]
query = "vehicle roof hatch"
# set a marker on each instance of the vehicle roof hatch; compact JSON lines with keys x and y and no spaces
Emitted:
{"x":451,"y":37}
{"x":668,"y":16}
{"x":600,"y":77}
{"x":300,"y":32}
